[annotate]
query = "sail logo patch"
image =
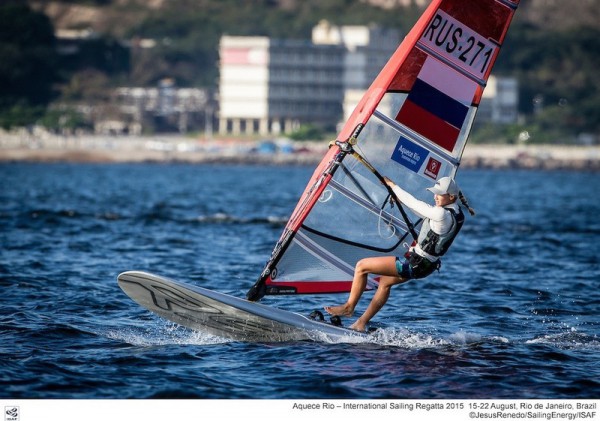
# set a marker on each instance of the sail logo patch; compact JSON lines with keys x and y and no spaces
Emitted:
{"x":438,"y":103}
{"x":409,"y":154}
{"x":459,"y":44}
{"x":433,"y":168}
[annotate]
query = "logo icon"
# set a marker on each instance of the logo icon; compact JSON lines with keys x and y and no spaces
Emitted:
{"x":11,"y":413}
{"x":433,"y":168}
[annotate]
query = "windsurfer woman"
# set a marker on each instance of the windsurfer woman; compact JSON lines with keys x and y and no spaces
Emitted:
{"x":441,"y":224}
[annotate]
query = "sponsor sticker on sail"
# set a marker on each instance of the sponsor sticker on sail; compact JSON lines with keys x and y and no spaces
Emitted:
{"x":409,"y":154}
{"x":416,"y":158}
{"x":433,"y":168}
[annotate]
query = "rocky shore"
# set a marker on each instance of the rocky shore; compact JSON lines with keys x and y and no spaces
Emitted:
{"x":181,"y":149}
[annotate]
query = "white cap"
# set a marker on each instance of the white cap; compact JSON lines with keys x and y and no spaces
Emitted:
{"x":445,"y":185}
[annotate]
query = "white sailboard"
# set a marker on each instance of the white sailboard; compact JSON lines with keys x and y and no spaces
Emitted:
{"x":224,"y":315}
{"x":412,"y":126}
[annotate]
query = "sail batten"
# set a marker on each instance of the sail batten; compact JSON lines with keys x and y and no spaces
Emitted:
{"x":412,"y":126}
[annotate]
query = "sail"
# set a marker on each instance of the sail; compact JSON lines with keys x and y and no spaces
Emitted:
{"x":412,"y":126}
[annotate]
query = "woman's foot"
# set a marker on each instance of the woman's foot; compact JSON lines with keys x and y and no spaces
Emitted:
{"x":359,"y":326}
{"x":344,"y":310}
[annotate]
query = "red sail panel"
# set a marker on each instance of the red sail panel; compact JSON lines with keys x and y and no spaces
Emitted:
{"x":311,"y":287}
{"x":407,"y":73}
{"x":488,"y":18}
{"x":429,"y":125}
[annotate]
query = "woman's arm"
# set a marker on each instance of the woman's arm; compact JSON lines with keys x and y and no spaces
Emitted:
{"x":424,"y":210}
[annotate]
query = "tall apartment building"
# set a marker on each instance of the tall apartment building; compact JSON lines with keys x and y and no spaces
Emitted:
{"x":368,"y":49}
{"x":272,"y":86}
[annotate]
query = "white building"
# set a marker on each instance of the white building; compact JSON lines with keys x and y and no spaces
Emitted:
{"x":271,"y":86}
{"x":368,"y":49}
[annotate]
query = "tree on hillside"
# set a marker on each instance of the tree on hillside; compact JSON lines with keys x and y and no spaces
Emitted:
{"x":558,"y":77}
{"x":187,"y":32}
{"x":28,"y":64}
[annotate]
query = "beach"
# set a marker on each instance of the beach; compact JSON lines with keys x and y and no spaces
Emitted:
{"x":175,"y":148}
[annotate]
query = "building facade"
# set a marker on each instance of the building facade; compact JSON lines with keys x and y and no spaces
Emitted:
{"x":270,"y":86}
{"x":176,"y":108}
{"x":368,"y":49}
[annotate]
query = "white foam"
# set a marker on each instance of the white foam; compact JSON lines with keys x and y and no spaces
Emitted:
{"x":568,"y":340}
{"x":160,"y":335}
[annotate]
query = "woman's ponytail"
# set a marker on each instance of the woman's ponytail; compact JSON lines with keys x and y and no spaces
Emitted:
{"x":463,"y":200}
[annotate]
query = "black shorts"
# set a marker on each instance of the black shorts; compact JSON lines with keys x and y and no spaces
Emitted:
{"x":416,"y":267}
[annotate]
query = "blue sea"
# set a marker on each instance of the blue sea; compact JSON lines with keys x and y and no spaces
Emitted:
{"x":514,"y":313}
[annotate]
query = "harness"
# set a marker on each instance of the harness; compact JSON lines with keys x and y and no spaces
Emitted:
{"x":435,"y":245}
{"x":438,"y":244}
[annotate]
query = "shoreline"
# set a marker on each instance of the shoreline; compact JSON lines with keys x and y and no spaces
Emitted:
{"x":171,"y":149}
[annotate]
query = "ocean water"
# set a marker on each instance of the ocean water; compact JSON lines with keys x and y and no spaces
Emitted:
{"x":514,"y":313}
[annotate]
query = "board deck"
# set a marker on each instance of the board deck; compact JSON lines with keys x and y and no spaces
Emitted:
{"x":223,"y":315}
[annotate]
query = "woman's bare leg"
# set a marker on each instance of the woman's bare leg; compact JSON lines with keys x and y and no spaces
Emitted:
{"x":385,"y":266}
{"x":379,"y":299}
